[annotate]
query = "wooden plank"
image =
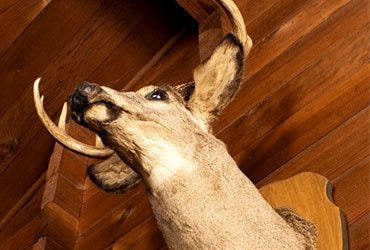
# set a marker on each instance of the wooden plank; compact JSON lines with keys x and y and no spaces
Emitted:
{"x":8,"y":148}
{"x":297,"y":93}
{"x":22,"y":202}
{"x":332,"y":155}
{"x":194,"y":9}
{"x":17,"y":14}
{"x":291,"y":21}
{"x":23,"y":238}
{"x":24,"y":214}
{"x":309,"y":195}
{"x":67,"y":196}
{"x":23,"y":173}
{"x":262,"y":9}
{"x":303,"y":129}
{"x":73,"y":167}
{"x":59,"y":225}
{"x":117,"y":223}
{"x":142,"y":45}
{"x":352,"y":191}
{"x":90,"y":190}
{"x":359,"y":233}
{"x":145,"y":236}
{"x":177,"y":66}
{"x":46,"y":243}
{"x":101,"y":205}
{"x":306,"y":52}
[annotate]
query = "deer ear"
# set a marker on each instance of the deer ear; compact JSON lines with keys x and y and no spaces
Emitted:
{"x":113,"y":175}
{"x":217,"y":80}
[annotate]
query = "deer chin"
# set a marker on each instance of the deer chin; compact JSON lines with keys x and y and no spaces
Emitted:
{"x":96,"y":115}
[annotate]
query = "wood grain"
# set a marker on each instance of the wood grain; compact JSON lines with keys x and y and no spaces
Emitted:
{"x":59,"y":225}
{"x":301,"y":56}
{"x":296,"y":94}
{"x":120,"y":221}
{"x":102,"y":204}
{"x":194,"y":9}
{"x":18,"y":14}
{"x":332,"y":155}
{"x":149,"y":234}
{"x":303,"y":128}
{"x":359,"y":233}
{"x":303,"y":105}
{"x":352,"y":190}
{"x":309,"y":195}
{"x":22,"y":238}
{"x":24,"y":215}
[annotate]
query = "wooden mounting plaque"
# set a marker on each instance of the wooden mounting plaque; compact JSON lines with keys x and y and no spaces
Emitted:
{"x":310,"y":196}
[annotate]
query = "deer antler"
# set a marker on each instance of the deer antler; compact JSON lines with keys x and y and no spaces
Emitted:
{"x":237,"y":23}
{"x":58,"y":132}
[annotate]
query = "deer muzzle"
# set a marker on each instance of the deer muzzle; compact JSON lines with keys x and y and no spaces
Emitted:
{"x":81,"y":98}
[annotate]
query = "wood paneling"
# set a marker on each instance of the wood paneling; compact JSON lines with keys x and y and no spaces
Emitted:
{"x":341,"y":149}
{"x":303,"y":105}
{"x":149,"y":234}
{"x":301,"y":55}
{"x":18,"y":14}
{"x":359,"y":233}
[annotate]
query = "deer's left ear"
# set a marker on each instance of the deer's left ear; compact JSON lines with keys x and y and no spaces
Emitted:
{"x":218,"y":79}
{"x":113,"y":175}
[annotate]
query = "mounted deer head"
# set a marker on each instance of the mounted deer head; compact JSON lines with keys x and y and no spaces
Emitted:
{"x":163,"y":135}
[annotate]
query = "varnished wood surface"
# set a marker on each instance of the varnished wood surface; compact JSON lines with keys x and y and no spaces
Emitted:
{"x":310,"y":196}
{"x":303,"y":105}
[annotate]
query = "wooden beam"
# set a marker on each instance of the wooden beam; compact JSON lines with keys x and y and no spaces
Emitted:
{"x":194,"y":9}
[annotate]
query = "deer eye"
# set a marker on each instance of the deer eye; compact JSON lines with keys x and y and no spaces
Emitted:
{"x":157,"y":95}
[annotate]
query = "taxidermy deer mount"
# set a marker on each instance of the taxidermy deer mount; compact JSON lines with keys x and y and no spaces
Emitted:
{"x":162,"y":136}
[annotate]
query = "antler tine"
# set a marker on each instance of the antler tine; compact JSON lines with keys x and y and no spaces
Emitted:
{"x":98,"y":142}
{"x":59,"y":133}
{"x":63,"y":117}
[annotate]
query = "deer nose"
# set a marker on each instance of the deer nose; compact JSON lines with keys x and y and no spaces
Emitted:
{"x":88,"y":89}
{"x":79,"y":99}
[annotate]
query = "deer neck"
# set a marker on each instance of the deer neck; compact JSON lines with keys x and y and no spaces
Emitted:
{"x":201,"y":199}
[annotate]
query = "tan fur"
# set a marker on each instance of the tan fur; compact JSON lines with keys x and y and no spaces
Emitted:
{"x":200,"y":198}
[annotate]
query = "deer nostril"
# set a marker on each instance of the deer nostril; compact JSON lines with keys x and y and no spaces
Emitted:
{"x":88,"y":89}
{"x":78,"y":102}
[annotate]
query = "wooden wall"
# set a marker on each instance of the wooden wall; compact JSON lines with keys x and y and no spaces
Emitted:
{"x":303,"y":106}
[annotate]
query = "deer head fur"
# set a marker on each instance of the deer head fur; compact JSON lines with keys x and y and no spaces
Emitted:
{"x":154,"y":126}
{"x":163,"y":135}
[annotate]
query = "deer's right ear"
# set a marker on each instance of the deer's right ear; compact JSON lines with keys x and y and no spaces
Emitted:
{"x":217,"y":80}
